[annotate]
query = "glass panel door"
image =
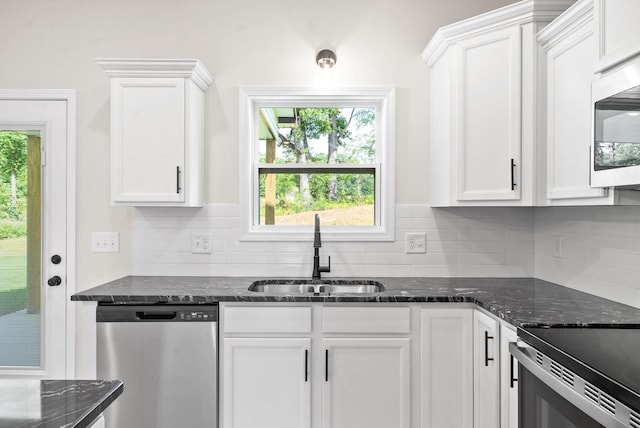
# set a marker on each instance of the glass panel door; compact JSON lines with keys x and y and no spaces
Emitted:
{"x":34,"y":242}
{"x":20,"y":249}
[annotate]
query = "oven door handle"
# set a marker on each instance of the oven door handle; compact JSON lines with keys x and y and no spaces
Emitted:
{"x":525,"y":355}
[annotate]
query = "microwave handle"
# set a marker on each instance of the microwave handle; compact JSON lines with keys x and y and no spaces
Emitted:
{"x":589,"y":163}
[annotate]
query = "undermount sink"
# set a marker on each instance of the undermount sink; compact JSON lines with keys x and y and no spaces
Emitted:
{"x":316,"y":287}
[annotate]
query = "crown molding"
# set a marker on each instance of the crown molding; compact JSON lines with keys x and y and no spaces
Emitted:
{"x":522,"y":12}
{"x":136,"y":67}
{"x":575,"y":17}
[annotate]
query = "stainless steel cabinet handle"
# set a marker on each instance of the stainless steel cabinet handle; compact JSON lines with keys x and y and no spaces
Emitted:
{"x":178,"y":179}
{"x":486,"y":349}
{"x":512,"y":369}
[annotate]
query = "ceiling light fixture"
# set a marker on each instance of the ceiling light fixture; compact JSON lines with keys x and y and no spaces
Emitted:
{"x":326,"y":58}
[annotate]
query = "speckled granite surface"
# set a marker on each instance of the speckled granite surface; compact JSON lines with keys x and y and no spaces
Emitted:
{"x":519,"y":301}
{"x":54,"y":403}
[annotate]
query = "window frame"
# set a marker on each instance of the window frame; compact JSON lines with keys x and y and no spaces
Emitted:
{"x":251,"y":99}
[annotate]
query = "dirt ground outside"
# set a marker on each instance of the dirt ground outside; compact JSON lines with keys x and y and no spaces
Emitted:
{"x":361,"y":216}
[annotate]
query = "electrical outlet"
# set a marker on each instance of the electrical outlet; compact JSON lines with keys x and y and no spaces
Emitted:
{"x":415,"y":243}
{"x":557,"y":246}
{"x":105,"y":242}
{"x":201,"y":243}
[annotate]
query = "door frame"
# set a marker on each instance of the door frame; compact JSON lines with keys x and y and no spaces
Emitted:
{"x":69,"y":96}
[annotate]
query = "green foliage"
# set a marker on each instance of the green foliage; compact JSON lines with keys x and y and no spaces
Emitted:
{"x":316,"y":122}
{"x":13,"y":175}
{"x":616,"y":154}
{"x":12,"y":230}
{"x":13,"y":152}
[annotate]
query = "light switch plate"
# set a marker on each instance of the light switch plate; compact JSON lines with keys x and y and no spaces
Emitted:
{"x":105,"y":242}
{"x":557,"y":246}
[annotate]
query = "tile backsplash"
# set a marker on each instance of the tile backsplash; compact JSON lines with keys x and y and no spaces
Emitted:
{"x":460,"y":242}
{"x":600,"y":246}
{"x":600,"y":250}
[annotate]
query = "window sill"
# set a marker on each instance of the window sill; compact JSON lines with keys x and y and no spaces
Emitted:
{"x":329,"y":234}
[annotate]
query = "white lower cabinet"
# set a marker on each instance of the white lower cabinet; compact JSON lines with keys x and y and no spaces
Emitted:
{"x":486,"y":365}
{"x":266,"y":383}
{"x":351,"y":369}
{"x":366,"y":383}
{"x":446,"y":367}
{"x":508,"y":379}
{"x":376,"y":366}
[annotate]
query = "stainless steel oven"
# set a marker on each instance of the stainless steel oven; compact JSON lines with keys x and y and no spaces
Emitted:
{"x":578,"y":377}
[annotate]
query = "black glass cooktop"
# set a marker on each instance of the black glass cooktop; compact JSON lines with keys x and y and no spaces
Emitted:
{"x":608,"y":357}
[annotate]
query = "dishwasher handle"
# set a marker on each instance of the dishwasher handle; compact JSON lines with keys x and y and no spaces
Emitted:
{"x":155,"y":315}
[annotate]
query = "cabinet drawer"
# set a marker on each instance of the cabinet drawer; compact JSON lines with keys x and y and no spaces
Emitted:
{"x":365,"y":320}
{"x":257,"y":319}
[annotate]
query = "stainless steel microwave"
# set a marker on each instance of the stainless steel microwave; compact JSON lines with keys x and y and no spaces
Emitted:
{"x":615,"y":147}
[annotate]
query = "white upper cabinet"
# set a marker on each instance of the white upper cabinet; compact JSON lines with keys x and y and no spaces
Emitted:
{"x":569,"y":43}
{"x":489,"y":103}
{"x":157,"y":131}
{"x":617,"y":32}
{"x":485,"y":101}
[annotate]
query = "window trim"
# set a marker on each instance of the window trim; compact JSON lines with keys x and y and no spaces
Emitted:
{"x":252,"y":98}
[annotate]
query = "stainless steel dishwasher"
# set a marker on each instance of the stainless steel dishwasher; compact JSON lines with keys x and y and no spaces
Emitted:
{"x":166,"y":355}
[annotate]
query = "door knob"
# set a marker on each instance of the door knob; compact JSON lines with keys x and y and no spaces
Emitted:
{"x":56,"y":259}
{"x":54,"y":280}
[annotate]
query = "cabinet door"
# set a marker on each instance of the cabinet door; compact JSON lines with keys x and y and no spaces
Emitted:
{"x":266,"y":382}
{"x":148,"y":138}
{"x":447,"y":368}
{"x":508,"y":380}
{"x":486,"y":371}
{"x":489,"y":116}
{"x":570,"y":65}
{"x":366,"y":383}
{"x":617,"y":30}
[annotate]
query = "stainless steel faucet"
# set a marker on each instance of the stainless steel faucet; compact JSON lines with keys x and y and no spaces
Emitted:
{"x":317,"y":243}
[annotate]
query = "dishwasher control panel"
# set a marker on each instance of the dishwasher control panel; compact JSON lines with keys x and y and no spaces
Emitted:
{"x":198,"y":316}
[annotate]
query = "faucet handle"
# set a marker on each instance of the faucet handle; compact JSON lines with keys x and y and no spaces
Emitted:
{"x":326,"y":268}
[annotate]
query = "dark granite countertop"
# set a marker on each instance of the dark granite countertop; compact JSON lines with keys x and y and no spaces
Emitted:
{"x":519,"y":301}
{"x":54,"y":403}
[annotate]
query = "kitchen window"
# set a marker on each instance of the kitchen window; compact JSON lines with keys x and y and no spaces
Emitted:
{"x":326,"y":151}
